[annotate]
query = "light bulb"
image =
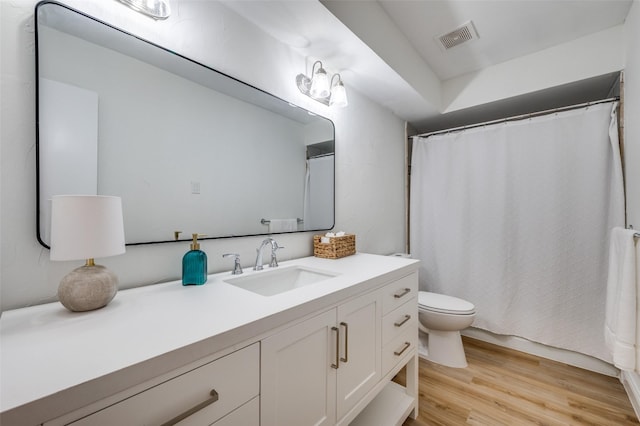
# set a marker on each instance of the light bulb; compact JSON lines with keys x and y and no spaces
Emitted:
{"x":338,"y":96}
{"x":319,"y":84}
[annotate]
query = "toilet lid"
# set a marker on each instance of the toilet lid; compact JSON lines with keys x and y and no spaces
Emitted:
{"x":445,"y":304}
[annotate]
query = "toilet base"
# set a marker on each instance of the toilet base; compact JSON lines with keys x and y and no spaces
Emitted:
{"x":445,"y":348}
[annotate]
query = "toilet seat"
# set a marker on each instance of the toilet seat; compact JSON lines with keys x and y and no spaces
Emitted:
{"x":444,"y":304}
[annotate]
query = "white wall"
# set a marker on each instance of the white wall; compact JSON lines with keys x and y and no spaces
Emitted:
{"x":369,"y":147}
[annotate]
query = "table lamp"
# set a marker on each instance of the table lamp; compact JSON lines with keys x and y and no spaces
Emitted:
{"x":86,"y":227}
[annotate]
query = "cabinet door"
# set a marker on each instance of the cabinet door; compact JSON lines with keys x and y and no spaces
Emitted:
{"x":298,"y":383}
{"x":360,"y":346}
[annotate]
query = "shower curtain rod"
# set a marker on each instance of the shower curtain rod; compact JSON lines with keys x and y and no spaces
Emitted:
{"x":321,"y":155}
{"x":521,"y":117}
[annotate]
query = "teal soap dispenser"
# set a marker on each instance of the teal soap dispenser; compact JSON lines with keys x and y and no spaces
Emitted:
{"x":194,"y":264}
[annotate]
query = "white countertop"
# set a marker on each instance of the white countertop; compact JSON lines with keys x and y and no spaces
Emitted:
{"x":50,"y":356}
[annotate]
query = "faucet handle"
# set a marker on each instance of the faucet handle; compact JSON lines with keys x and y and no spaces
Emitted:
{"x":274,"y":259}
{"x":237,"y":269}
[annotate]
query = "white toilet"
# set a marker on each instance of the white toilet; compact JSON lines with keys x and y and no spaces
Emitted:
{"x":442,"y":317}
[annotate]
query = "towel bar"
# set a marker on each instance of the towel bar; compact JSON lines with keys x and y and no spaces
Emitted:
{"x":267,"y":221}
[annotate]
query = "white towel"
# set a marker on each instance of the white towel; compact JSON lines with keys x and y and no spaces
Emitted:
{"x":622,"y":291}
{"x":283,"y":225}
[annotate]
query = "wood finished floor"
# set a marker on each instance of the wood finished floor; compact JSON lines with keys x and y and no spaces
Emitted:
{"x":506,"y":387}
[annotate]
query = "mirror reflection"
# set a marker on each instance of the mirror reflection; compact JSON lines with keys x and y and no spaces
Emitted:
{"x":187,"y":148}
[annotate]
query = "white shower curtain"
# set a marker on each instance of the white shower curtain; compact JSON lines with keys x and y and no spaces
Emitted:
{"x":318,"y":193}
{"x":515,"y":217}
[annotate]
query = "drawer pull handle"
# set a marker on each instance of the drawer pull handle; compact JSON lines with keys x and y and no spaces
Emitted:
{"x":193,"y":410}
{"x":400,"y":352}
{"x":403,"y":293}
{"x":401,"y":323}
{"x":337,"y":363}
{"x":346,"y":342}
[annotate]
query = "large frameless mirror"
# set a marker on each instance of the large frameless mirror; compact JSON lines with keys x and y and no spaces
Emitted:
{"x":186,"y":147}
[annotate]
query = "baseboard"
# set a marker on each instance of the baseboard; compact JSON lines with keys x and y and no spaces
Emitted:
{"x":631,"y":383}
{"x":560,"y":355}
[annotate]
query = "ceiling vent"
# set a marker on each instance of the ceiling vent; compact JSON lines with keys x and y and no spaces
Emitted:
{"x":466,"y":32}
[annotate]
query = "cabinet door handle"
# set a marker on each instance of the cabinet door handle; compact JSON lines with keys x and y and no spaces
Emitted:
{"x":193,"y":410}
{"x":402,"y":294}
{"x":401,"y":323}
{"x":400,"y":352}
{"x":337,"y":363}
{"x":346,"y":342}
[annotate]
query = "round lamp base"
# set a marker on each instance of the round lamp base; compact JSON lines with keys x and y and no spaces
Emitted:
{"x":87,"y":288}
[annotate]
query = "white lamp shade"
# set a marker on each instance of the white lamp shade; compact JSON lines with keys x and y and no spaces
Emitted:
{"x":319,"y":85}
{"x":338,"y":96}
{"x":86,"y":227}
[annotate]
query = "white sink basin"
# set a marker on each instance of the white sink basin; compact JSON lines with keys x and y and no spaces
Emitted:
{"x":278,"y":280}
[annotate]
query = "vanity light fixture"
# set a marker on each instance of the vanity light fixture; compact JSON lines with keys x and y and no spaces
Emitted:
{"x":338,"y":94}
{"x":319,"y":87}
{"x":86,"y":227}
{"x":319,"y":82}
{"x":157,"y":9}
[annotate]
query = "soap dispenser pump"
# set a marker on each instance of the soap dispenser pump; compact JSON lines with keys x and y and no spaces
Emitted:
{"x":194,"y":264}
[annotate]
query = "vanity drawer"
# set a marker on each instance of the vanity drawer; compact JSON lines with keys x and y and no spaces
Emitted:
{"x":235,"y":379}
{"x":247,"y":415}
{"x":400,"y":319}
{"x":398,"y":292}
{"x":398,"y":348}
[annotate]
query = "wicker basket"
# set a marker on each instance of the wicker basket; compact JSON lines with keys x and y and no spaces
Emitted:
{"x":336,"y":248}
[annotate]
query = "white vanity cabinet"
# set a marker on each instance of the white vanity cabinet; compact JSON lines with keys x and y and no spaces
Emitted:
{"x":399,"y":349}
{"x":298,"y":384}
{"x":324,"y":354}
{"x":399,"y":321}
{"x":360,"y":367}
{"x":316,"y":371}
{"x":213,"y":394}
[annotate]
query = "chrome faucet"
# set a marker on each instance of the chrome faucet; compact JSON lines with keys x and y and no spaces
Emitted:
{"x":274,"y":247}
